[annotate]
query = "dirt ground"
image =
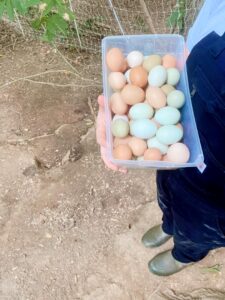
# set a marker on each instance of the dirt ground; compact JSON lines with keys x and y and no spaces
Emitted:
{"x":70,"y":228}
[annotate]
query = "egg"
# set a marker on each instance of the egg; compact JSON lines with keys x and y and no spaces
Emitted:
{"x":169,"y":61}
{"x":151,"y":61}
{"x":127,"y":75}
{"x":122,"y":152}
{"x":152,"y":154}
{"x":154,"y":143}
{"x":143,"y":129}
{"x":125,"y":66}
{"x":167,"y":89}
{"x":173,"y":76}
{"x":169,"y":134}
{"x":156,"y":123}
{"x":140,"y":158}
{"x":178,"y":153}
{"x":120,"y":128}
{"x":180,"y":126}
{"x":135,"y":58}
{"x":138,"y":146}
{"x":118,"y":106}
{"x":155,"y":96}
{"x":167,"y":115}
{"x":176,"y":99}
{"x":121,"y":117}
{"x":121,"y":141}
{"x":115,"y":60}
{"x":141,"y":111}
{"x":164,"y":158}
{"x":117,"y":80}
{"x":132,"y":94}
{"x":157,"y":76}
{"x":139,"y":76}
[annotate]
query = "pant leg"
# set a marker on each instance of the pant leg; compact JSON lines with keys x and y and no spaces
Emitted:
{"x":197,"y":226}
{"x":164,"y":201}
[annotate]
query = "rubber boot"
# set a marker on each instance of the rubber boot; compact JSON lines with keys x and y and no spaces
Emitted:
{"x":155,"y":237}
{"x":164,"y":264}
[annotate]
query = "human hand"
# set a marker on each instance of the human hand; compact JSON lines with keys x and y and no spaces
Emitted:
{"x":101,"y":136}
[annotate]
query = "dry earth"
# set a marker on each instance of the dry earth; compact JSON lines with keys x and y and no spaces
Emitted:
{"x":70,"y":228}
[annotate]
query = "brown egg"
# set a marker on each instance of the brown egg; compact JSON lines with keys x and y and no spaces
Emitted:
{"x":115,"y":60}
{"x":180,"y":126}
{"x":122,"y":152}
{"x":117,"y":80}
{"x":152,"y":154}
{"x":139,"y":76}
{"x":138,"y":146}
{"x":151,"y":62}
{"x":121,"y":141}
{"x":118,"y":106}
{"x":132,"y":94}
{"x":178,"y":152}
{"x":169,"y":61}
{"x":167,"y":88}
{"x":125,"y":66}
{"x":165,"y":158}
{"x":155,"y":96}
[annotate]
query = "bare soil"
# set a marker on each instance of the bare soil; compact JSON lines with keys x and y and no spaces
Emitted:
{"x":70,"y":228}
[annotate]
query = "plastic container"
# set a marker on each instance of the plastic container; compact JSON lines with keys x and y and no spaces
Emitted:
{"x":154,"y":44}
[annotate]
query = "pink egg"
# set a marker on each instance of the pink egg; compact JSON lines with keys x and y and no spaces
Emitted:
{"x":178,"y":153}
{"x":138,"y":146}
{"x":169,"y":61}
{"x":118,"y":106}
{"x":117,"y":80}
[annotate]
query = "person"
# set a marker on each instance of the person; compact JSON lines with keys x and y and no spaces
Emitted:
{"x":193,"y":203}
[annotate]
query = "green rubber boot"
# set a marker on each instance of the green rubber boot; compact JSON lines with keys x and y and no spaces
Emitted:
{"x":155,"y":237}
{"x":164,"y":264}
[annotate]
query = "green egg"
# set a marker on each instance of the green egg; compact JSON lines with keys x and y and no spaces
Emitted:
{"x":120,"y":128}
{"x":169,"y":134}
{"x":176,"y":99}
{"x":173,"y":76}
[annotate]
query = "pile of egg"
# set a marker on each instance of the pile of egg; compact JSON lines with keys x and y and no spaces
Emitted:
{"x":145,"y":106}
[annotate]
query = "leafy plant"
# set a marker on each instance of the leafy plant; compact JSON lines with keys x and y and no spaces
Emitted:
{"x":50,"y":16}
{"x":176,"y":19}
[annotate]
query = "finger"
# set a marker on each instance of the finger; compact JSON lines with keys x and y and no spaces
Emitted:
{"x":106,"y":161}
{"x":100,"y":129}
{"x":101,"y":101}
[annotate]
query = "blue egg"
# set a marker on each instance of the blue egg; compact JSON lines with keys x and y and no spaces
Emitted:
{"x":141,"y":111}
{"x":169,"y":134}
{"x":143,"y":129}
{"x":167,"y":115}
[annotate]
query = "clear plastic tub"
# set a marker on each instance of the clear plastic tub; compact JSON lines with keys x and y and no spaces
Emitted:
{"x":154,"y":44}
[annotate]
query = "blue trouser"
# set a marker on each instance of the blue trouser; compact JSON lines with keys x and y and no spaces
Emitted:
{"x":193,"y":204}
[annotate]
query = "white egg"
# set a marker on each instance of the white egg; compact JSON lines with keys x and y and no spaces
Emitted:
{"x":127,"y":75}
{"x":123,"y":117}
{"x":173,"y":76}
{"x":157,"y":76}
{"x":135,"y":58}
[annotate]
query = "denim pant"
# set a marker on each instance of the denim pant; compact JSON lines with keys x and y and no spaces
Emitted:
{"x":193,"y":204}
